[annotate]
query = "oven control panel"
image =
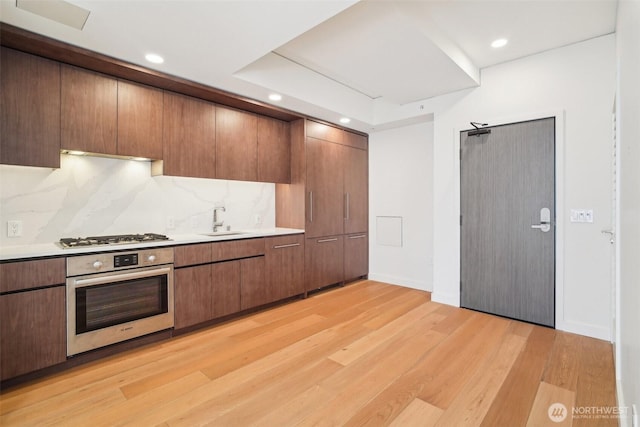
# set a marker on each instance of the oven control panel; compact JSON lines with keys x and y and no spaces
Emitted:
{"x":125,"y":260}
{"x":104,"y":262}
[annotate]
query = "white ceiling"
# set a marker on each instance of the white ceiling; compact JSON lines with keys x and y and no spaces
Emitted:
{"x":366,"y":59}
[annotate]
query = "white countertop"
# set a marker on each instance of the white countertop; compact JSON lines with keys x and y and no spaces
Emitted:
{"x":52,"y":249}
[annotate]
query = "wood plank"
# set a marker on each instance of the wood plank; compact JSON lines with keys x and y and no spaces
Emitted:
{"x":563,"y":365}
{"x":472,"y":403}
{"x":418,"y":410}
{"x":543,"y":415}
{"x":513,"y":402}
{"x":596,"y":387}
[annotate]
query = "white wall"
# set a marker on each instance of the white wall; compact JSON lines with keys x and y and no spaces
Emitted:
{"x":101,"y":196}
{"x":400,"y":182}
{"x":579,"y":82}
{"x":628,"y":293}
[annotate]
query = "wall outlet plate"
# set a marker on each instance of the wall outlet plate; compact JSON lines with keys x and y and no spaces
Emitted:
{"x":14,"y":228}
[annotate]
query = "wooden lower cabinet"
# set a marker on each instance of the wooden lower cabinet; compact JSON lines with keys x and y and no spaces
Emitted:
{"x":253,"y":289}
{"x":193,"y":295}
{"x":356,"y":256}
{"x":324,"y":262}
{"x":225,"y":286}
{"x":285,"y":265}
{"x":205,"y":292}
{"x":32,"y":330}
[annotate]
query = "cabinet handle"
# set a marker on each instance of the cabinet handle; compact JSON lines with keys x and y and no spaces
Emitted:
{"x":335,"y":239}
{"x":290,"y":245}
{"x":346,"y":206}
{"x":361,"y":236}
{"x":310,"y":206}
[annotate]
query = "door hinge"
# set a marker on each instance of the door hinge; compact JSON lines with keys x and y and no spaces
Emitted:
{"x":461,"y":220}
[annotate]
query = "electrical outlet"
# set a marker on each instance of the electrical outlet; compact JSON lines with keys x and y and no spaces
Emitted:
{"x":171,"y":223}
{"x":14,"y":228}
{"x":257,"y":219}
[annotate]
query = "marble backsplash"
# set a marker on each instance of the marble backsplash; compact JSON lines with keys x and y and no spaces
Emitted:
{"x":101,"y":196}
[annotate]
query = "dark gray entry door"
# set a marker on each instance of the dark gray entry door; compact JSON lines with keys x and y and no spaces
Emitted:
{"x":507,"y":204}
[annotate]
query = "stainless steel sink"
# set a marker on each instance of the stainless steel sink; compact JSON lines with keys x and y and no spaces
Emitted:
{"x":223,"y":233}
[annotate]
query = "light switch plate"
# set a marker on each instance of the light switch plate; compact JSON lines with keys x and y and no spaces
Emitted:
{"x":581,"y":215}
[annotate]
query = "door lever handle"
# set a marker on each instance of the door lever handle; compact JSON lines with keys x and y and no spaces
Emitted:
{"x":545,"y":220}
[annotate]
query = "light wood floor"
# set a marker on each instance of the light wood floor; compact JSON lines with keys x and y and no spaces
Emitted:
{"x":366,"y":354}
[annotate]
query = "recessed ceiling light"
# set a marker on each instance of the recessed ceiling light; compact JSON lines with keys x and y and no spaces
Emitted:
{"x":140,"y":159}
{"x":275,"y":97}
{"x":155,"y":58}
{"x":345,"y":120}
{"x":499,"y":43}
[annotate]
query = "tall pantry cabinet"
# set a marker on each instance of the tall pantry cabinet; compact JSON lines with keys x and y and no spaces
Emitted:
{"x":328,"y":197}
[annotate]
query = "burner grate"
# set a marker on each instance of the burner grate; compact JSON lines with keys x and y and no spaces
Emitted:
{"x":119,"y":239}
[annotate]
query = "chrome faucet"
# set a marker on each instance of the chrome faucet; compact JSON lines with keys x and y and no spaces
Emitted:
{"x":216,"y":223}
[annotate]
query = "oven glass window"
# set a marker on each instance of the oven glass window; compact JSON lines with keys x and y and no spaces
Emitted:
{"x":111,"y":304}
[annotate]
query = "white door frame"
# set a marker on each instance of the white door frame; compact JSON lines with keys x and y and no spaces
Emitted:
{"x":559,"y":189}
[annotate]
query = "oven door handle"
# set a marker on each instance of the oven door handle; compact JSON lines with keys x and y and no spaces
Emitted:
{"x":120,"y":277}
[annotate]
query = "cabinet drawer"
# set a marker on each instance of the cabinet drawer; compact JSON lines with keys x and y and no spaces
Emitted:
{"x":237,"y":249}
{"x":15,"y":276}
{"x":192,"y":254}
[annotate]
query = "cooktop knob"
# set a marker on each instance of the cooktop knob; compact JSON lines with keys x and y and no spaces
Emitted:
{"x":97,"y":265}
{"x":151,"y":258}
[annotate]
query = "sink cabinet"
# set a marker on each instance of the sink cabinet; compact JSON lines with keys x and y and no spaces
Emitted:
{"x":32,"y":316}
{"x":213,"y":280}
{"x":30,"y":105}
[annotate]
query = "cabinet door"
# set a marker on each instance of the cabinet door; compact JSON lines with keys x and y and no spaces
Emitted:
{"x":324,"y":262}
{"x":274,"y":151}
{"x":253,"y":287}
{"x":188,"y":137}
{"x":30,"y":105}
{"x":356,"y":256}
{"x":32,"y":327}
{"x":284,"y":265}
{"x":193,"y":295}
{"x":356,"y":190}
{"x":89,"y":111}
{"x":139,"y":121}
{"x":325,"y":197}
{"x":225,"y":285}
{"x":236,"y":145}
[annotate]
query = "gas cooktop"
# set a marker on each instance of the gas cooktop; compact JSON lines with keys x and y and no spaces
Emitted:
{"x":119,"y":239}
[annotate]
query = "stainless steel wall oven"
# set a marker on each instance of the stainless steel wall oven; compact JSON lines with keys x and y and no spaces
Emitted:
{"x":113,"y":297}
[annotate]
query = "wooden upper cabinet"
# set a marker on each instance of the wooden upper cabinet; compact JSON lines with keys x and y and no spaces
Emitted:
{"x":139,"y":120}
{"x":356,"y":190}
{"x":321,"y":131}
{"x":355,"y":140}
{"x":274,"y":151}
{"x":236,"y":145}
{"x":188,"y":136}
{"x":325,"y":198}
{"x":30,"y":110}
{"x":89,"y":111}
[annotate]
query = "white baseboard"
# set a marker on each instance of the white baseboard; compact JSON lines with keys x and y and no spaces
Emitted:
{"x":401,"y":281}
{"x":585,"y":329}
{"x":446,"y":298}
